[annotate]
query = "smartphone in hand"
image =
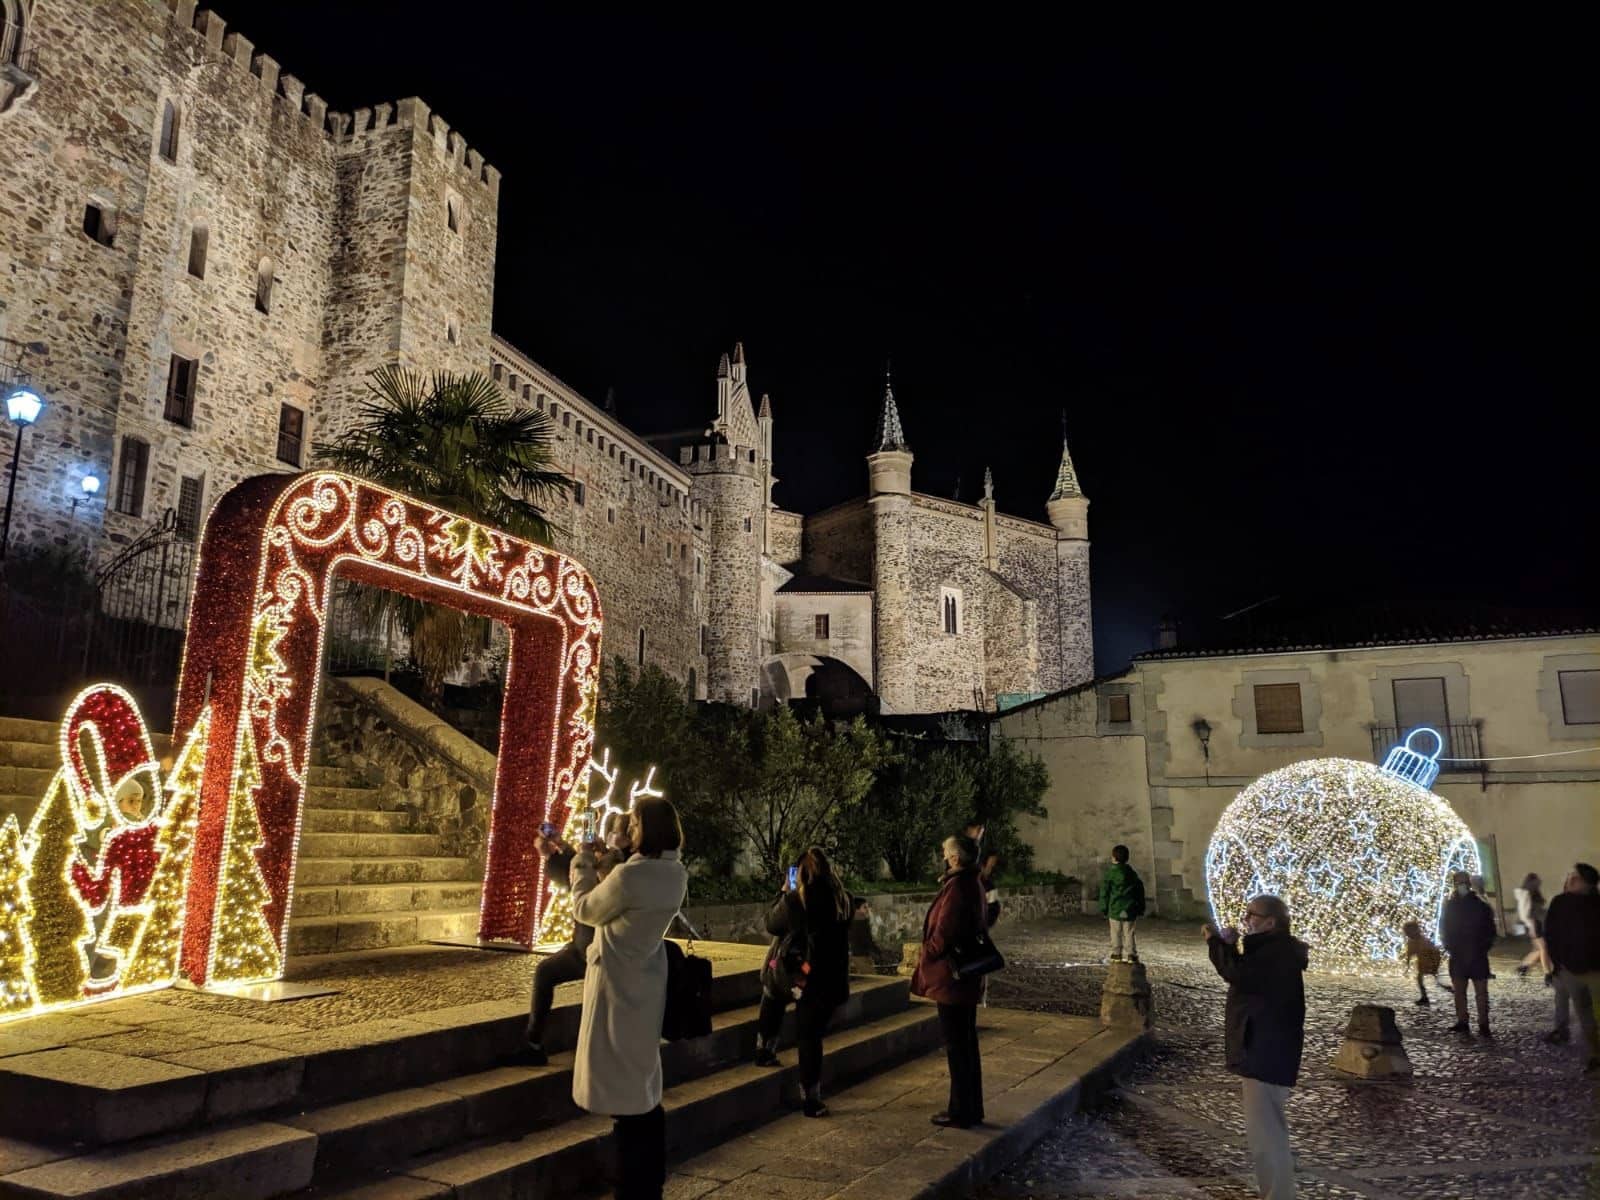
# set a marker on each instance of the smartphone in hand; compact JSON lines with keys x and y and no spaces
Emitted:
{"x":546,"y":829}
{"x":794,"y":879}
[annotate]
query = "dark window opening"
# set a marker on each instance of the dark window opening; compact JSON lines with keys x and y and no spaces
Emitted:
{"x":578,"y":492}
{"x":1119,"y":709}
{"x":452,"y":214}
{"x":702,"y":639}
{"x":264,"y":286}
{"x":169,"y":132}
{"x":291,"y":434}
{"x":199,"y":241}
{"x":182,"y":374}
{"x":819,"y":626}
{"x":97,"y":223}
{"x":641,"y":645}
{"x":130,"y":476}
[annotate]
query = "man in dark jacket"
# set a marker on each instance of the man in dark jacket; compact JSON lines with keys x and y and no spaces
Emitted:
{"x":1122,"y":903}
{"x":1266,"y":1020}
{"x":1466,"y":931}
{"x":1572,"y":939}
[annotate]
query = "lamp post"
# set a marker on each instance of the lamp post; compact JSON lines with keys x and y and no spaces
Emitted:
{"x":90,"y":484}
{"x":1202,"y":730}
{"x":23,"y":407}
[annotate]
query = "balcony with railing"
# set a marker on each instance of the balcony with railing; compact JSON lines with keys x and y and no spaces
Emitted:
{"x":1462,"y":749}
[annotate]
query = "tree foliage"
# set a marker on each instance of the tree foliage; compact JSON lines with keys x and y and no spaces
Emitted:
{"x":453,"y":441}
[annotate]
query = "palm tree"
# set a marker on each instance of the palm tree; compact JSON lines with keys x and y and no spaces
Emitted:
{"x":452,"y":441}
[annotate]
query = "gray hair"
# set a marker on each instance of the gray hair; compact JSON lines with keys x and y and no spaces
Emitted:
{"x":966,"y":849}
{"x":1276,"y":909}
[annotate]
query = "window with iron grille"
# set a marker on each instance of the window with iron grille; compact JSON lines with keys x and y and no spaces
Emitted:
{"x":130,"y":476}
{"x":819,"y":627}
{"x":291,"y":434}
{"x":1278,"y":708}
{"x":1580,"y":697}
{"x":188,"y":515}
{"x":1119,"y":709}
{"x":182,"y":373}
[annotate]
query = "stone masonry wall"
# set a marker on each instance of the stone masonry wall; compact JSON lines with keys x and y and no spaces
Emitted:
{"x":784,"y":532}
{"x":729,"y":494}
{"x":838,"y":542}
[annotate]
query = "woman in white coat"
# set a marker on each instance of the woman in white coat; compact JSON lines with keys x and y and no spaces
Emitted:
{"x":617,"y":1068}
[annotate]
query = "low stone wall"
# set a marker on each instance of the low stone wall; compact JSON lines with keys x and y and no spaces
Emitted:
{"x":894,"y":917}
{"x":415,"y":760}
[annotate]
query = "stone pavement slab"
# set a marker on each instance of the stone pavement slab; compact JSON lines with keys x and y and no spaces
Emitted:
{"x":878,"y":1142}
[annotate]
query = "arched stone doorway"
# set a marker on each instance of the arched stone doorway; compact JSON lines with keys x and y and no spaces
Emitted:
{"x":838,"y":689}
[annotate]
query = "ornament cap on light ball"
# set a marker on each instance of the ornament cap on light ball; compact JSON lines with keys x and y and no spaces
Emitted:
{"x":1355,"y":851}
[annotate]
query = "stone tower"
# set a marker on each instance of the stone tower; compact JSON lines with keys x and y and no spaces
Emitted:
{"x":1069,"y":513}
{"x":729,"y":474}
{"x":889,"y":500}
{"x":414,"y":246}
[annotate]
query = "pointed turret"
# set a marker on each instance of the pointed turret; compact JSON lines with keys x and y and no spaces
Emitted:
{"x":1067,"y":486}
{"x":766,"y":407}
{"x":1068,"y":506}
{"x":724,"y":368}
{"x":890,"y":435}
{"x":738,"y":353}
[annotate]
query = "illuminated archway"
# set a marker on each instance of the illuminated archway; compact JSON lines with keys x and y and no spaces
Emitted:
{"x":270,"y":551}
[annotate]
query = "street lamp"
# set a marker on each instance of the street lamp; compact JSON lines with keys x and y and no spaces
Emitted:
{"x":23,"y":407}
{"x":90,"y":484}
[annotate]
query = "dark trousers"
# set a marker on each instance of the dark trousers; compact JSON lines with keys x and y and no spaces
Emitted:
{"x":959,"y":1023}
{"x":564,"y":966}
{"x":641,"y":1154}
{"x":810,"y":1022}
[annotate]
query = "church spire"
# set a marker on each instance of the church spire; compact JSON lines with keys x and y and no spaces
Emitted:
{"x":890,"y":435}
{"x":1066,"y":476}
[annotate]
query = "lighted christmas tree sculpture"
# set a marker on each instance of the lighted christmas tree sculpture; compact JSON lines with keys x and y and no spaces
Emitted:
{"x":244,"y":950}
{"x":16,"y":993}
{"x":154,"y":958}
{"x":59,"y":928}
{"x":1356,"y":851}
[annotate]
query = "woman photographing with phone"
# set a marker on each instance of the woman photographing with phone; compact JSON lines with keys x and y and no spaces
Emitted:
{"x":810,"y":964}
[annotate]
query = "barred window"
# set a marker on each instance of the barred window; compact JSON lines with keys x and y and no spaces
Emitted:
{"x":130,"y":476}
{"x":819,"y":627}
{"x":181,"y":376}
{"x":188,"y":516}
{"x":291,"y":435}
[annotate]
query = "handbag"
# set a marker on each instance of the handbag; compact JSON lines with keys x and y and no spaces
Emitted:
{"x":688,"y":1009}
{"x":977,"y":958}
{"x":784,"y":974}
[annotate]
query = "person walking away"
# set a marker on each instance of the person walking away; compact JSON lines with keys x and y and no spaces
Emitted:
{"x":1531,"y":912}
{"x":617,"y":1067}
{"x":818,"y":913}
{"x":1467,"y":931}
{"x":955,"y":918}
{"x":1266,"y":1022}
{"x":1122,"y":903}
{"x":1428,"y":959}
{"x":1572,"y":939}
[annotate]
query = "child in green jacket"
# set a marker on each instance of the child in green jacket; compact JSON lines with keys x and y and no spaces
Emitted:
{"x":1122,"y":903}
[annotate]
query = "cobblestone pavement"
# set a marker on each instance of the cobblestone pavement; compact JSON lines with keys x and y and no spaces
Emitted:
{"x":1511,"y":1118}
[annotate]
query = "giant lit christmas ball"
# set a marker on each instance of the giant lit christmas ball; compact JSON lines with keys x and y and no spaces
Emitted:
{"x":1354,"y":850}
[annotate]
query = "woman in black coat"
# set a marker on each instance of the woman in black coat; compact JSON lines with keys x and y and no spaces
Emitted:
{"x":817,"y":912}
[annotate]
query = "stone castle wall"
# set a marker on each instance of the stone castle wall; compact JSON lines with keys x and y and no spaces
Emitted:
{"x":785,"y":533}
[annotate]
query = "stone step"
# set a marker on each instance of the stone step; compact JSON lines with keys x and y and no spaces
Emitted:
{"x":19,"y":729}
{"x":28,"y":782}
{"x":325,"y":776}
{"x":21,"y":807}
{"x":373,"y":931}
{"x":319,"y":795}
{"x":702,"y":1112}
{"x":383,"y":1131}
{"x":400,"y":869}
{"x":92,"y":1097}
{"x":252,"y":1161}
{"x":30,"y":754}
{"x":355,"y":820}
{"x":344,"y":899}
{"x":370,"y":845}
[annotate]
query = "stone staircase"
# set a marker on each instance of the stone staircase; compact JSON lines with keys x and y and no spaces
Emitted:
{"x":366,"y":879}
{"x":419,"y":1106}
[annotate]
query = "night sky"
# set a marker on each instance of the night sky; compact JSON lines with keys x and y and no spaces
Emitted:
{"x":1310,"y":299}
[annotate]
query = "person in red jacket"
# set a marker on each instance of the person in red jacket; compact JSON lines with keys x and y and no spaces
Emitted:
{"x":956,"y":916}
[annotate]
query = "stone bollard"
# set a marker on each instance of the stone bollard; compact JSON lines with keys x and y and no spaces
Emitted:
{"x":910,"y":952}
{"x":1125,"y":998}
{"x":1372,"y":1048}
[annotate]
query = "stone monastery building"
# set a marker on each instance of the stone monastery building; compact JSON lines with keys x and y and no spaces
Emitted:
{"x":200,"y":264}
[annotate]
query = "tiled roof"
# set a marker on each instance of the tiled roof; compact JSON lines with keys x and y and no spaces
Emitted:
{"x":823,"y":583}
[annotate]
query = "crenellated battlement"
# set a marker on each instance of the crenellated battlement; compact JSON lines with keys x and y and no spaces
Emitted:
{"x":343,"y":129}
{"x":706,"y":458}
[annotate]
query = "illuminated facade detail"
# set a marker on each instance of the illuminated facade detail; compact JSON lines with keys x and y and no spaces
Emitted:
{"x":60,"y":929}
{"x":244,"y":949}
{"x":16,"y":989}
{"x":1405,"y":763}
{"x":271,"y":549}
{"x":1355,"y":850}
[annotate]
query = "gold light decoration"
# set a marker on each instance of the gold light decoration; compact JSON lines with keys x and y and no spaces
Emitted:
{"x":1355,"y":852}
{"x":244,"y":949}
{"x":16,"y":912}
